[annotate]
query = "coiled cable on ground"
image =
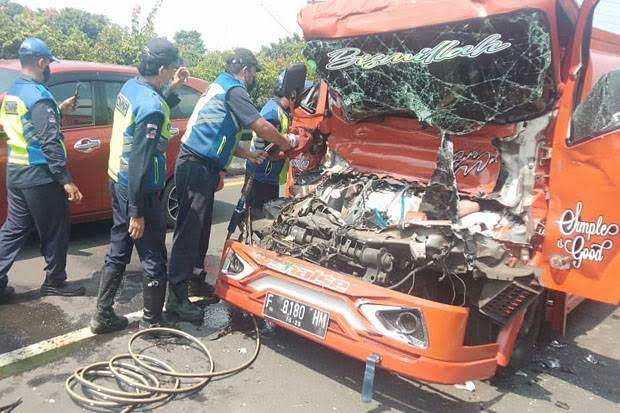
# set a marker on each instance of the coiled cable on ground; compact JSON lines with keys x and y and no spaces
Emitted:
{"x":137,"y":383}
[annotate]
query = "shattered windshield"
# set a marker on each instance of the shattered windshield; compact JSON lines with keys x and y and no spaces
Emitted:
{"x":456,"y":77}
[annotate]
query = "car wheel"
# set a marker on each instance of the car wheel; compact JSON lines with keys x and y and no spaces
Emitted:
{"x":170,"y":204}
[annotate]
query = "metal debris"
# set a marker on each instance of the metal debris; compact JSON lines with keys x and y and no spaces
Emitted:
{"x":520,"y":373}
{"x":550,"y":363}
{"x":591,"y":359}
{"x":557,"y":344}
{"x":562,"y":405}
{"x":468,"y":385}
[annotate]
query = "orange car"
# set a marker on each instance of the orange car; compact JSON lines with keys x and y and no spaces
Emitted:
{"x":88,"y":130}
{"x":454,"y":189}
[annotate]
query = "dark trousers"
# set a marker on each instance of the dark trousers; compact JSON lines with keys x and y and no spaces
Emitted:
{"x":151,"y":247}
{"x":196,"y":183}
{"x":262,"y":193}
{"x":46,"y":209}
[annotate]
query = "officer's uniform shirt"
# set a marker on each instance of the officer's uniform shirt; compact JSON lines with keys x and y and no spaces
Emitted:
{"x":46,"y":124}
{"x":241,"y":105}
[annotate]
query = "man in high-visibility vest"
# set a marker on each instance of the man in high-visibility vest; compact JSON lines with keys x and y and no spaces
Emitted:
{"x":272,"y":172}
{"x":38,"y":183}
{"x":209,"y":143}
{"x":137,"y":171}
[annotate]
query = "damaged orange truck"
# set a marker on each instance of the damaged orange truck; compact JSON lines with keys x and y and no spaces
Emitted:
{"x":456,"y":186}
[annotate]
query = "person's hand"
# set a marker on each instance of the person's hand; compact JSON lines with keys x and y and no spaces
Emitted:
{"x":293,"y":140}
{"x":220,"y":185}
{"x":180,"y":78}
{"x":73,"y":193}
{"x":258,"y":157}
{"x":136,"y":227}
{"x":68,"y":105}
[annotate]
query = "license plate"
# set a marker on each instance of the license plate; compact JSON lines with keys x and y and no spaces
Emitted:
{"x":302,"y":316}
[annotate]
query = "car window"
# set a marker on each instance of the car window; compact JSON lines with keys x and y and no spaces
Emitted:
{"x":184,"y":109}
{"x":110,"y":92}
{"x":83,"y":115}
{"x":7,"y":77}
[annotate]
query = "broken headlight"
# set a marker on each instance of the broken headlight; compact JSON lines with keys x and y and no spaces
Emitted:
{"x":235,"y":267}
{"x":403,"y":324}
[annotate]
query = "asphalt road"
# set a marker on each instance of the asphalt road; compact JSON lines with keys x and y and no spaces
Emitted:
{"x":290,"y":373}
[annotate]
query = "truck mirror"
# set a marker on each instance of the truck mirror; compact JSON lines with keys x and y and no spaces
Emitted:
{"x":294,"y":80}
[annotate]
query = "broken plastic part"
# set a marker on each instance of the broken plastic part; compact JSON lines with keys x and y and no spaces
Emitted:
{"x":468,"y":385}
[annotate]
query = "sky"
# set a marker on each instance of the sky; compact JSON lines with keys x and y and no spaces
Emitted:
{"x":224,"y":24}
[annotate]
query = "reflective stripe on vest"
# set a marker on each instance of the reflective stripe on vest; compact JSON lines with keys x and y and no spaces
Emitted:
{"x":137,"y":100}
{"x":213,"y":131}
{"x":15,"y":117}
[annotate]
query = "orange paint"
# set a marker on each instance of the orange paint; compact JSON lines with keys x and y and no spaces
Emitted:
{"x":582,"y":180}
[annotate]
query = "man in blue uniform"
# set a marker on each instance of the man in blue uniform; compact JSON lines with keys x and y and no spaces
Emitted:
{"x":209,"y":144}
{"x":137,"y":170}
{"x":272,"y":172}
{"x":38,"y":183}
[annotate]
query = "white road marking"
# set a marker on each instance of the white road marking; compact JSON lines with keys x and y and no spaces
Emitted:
{"x":233,"y":183}
{"x":57,"y":342}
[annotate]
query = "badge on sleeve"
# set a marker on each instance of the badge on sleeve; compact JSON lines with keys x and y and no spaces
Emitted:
{"x":151,"y":131}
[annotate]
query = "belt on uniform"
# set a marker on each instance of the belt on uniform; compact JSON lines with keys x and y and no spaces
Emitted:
{"x":205,"y":161}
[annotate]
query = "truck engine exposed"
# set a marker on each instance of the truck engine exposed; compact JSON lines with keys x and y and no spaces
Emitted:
{"x":426,"y":240}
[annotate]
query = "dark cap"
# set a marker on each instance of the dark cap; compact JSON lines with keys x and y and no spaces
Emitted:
{"x":244,"y":57}
{"x":162,"y":51}
{"x":36,"y":47}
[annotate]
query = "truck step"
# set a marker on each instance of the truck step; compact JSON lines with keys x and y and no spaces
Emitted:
{"x":506,"y":304}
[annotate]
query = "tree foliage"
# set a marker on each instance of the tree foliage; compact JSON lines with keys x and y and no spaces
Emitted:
{"x":75,"y":34}
{"x":191,"y":45}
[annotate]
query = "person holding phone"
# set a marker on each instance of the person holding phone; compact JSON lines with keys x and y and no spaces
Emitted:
{"x":39,"y":186}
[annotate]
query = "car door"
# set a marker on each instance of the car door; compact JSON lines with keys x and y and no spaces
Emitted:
{"x":107,"y":89}
{"x":582,"y":232}
{"x":83,"y":140}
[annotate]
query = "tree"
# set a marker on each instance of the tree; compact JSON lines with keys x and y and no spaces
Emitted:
{"x":68,"y":20}
{"x":78,"y":35}
{"x":190,"y":45}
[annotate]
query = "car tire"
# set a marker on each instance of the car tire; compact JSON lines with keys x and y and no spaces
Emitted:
{"x":170,"y":204}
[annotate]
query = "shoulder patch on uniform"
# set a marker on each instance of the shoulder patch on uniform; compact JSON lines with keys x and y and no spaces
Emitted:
{"x":51,"y":116}
{"x":10,"y":107}
{"x":122,"y":104}
{"x":151,"y":131}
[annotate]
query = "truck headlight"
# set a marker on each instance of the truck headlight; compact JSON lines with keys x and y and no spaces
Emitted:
{"x":235,"y":267}
{"x":403,"y":324}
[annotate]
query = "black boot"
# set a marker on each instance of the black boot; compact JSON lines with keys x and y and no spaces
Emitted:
{"x":154,"y":295}
{"x":62,"y":289}
{"x":179,"y":304}
{"x":105,"y":320}
{"x":199,"y":287}
{"x":6,"y":294}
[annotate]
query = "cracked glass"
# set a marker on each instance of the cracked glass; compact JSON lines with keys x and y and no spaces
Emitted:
{"x":599,"y":113}
{"x":456,"y":77}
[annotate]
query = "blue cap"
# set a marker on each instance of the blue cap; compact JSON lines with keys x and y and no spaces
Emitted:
{"x":36,"y":47}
